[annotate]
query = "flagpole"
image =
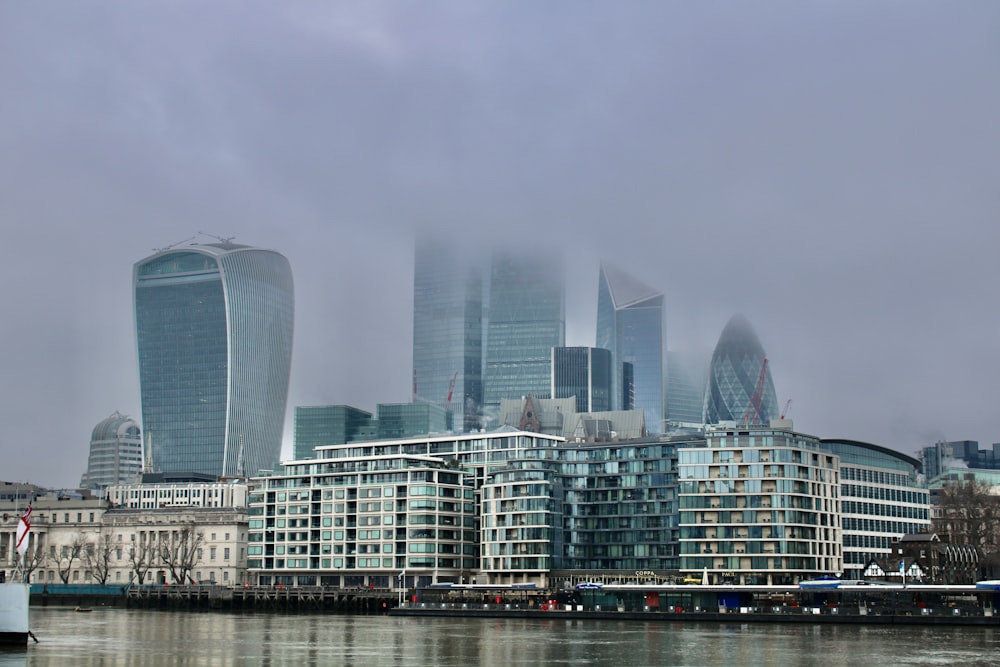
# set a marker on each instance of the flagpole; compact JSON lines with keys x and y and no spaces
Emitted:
{"x":22,"y":538}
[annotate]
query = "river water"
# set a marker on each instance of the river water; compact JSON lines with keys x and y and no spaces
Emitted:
{"x":110,"y":637}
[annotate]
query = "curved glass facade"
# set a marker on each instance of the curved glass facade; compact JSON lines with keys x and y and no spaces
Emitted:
{"x":214,"y":339}
{"x":881,"y":501}
{"x":115,"y":453}
{"x":630,"y":323}
{"x":733,"y":377}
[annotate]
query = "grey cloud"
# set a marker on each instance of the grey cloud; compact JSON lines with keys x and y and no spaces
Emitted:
{"x":828,"y":170}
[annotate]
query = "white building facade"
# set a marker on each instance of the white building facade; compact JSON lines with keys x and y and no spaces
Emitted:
{"x":759,"y":505}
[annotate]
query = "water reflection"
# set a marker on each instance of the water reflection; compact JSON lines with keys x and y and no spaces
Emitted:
{"x":112,"y":637}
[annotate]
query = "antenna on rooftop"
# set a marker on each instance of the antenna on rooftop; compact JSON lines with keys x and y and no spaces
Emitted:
{"x":220,"y":239}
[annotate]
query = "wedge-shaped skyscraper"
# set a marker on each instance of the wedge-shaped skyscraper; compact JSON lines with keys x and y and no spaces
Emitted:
{"x":214,"y":335}
{"x":734,"y":376}
{"x":631,"y":323}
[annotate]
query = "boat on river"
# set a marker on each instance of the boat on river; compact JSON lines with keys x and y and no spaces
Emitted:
{"x":14,"y":595}
{"x":14,"y":613}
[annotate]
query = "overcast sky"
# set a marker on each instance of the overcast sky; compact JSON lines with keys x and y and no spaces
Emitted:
{"x":828,"y":169}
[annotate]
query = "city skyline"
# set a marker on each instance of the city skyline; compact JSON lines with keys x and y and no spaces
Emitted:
{"x":827,"y":171}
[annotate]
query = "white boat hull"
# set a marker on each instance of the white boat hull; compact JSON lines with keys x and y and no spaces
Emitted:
{"x":14,"y":613}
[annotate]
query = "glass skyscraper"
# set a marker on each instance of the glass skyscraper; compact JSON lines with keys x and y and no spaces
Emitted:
{"x":630,"y":323}
{"x":214,"y":336}
{"x":527,"y":318}
{"x":734,"y":375}
{"x":685,"y":389}
{"x":325,"y":425}
{"x":448,"y":332}
{"x":583,"y":373}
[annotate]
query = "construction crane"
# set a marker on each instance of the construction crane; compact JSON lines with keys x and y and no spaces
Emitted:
{"x":784,"y":412}
{"x":752,"y":414}
{"x":451,"y":391}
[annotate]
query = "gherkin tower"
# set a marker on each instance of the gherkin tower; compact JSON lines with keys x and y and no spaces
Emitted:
{"x":733,"y":377}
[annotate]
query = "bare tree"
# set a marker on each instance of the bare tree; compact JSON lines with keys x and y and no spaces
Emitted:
{"x":33,"y":559}
{"x":68,"y":555}
{"x":141,"y":555}
{"x":97,"y":558}
{"x":969,"y":514}
{"x":182,"y":552}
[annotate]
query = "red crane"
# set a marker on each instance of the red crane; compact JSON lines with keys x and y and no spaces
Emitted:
{"x":752,"y":415}
{"x":451,"y":391}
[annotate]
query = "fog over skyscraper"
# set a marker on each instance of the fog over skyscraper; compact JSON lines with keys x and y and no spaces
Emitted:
{"x":214,"y":337}
{"x":448,"y":331}
{"x":734,"y":375}
{"x":526,"y":319}
{"x":685,"y":388}
{"x":630,"y":323}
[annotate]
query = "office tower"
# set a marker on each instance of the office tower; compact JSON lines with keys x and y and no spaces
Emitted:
{"x":325,"y":425}
{"x":584,"y":373}
{"x":876,"y":483}
{"x":685,"y":389}
{"x":214,"y":336}
{"x":627,"y":392}
{"x":448,"y":331}
{"x":630,"y":323}
{"x":410,"y":420}
{"x":115,"y":453}
{"x":943,"y":456}
{"x":735,"y":375}
{"x":526,"y":319}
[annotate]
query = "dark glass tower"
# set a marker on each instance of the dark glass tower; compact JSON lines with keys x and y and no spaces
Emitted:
{"x":734,"y":375}
{"x":526,"y":320}
{"x":214,"y":338}
{"x":448,"y":332}
{"x":324,"y":425}
{"x":583,"y":372}
{"x":630,"y":323}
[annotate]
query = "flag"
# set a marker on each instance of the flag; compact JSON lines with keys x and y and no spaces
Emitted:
{"x":23,"y":526}
{"x":402,"y":574}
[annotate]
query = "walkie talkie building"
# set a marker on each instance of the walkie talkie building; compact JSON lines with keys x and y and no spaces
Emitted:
{"x":214,"y":338}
